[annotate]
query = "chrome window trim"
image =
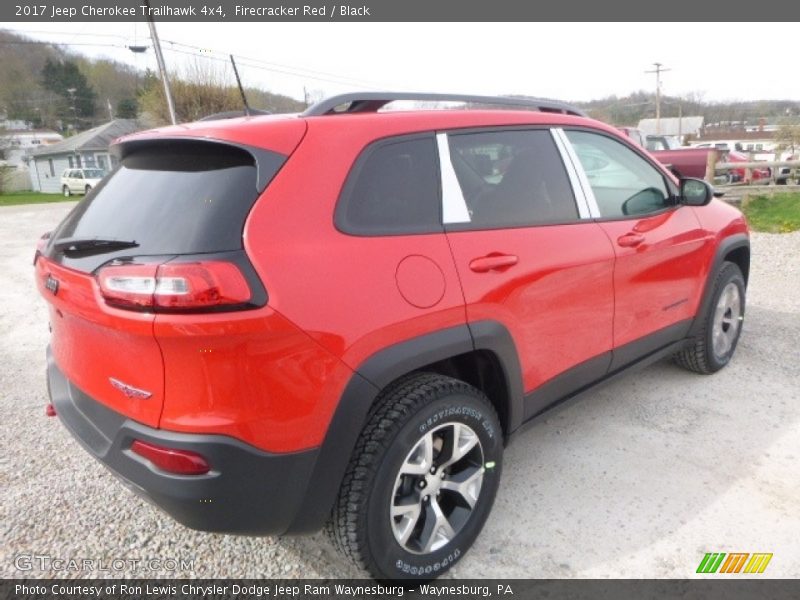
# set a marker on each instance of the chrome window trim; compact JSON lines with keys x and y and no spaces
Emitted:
{"x":571,"y":159}
{"x":454,"y":207}
{"x":572,"y":174}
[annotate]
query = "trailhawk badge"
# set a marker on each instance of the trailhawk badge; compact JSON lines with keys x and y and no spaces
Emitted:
{"x":129,"y":390}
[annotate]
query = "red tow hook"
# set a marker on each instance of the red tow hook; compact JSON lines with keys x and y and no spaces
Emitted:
{"x":50,"y":410}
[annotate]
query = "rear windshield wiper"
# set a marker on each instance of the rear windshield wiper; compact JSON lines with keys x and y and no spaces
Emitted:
{"x":75,"y":245}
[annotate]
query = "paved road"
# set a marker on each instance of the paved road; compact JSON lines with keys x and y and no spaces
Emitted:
{"x":639,"y":479}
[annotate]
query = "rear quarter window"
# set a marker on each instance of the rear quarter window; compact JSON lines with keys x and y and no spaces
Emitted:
{"x":393,"y":189}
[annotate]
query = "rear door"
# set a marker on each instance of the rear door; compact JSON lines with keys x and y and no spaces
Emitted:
{"x":659,"y":244}
{"x":528,"y":255}
{"x":166,"y":200}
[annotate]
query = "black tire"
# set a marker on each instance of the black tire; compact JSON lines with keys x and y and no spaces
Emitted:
{"x":87,"y":190}
{"x":413,"y":408}
{"x":701,"y":355}
{"x":66,"y":191}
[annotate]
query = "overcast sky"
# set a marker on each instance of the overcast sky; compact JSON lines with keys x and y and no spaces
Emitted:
{"x":571,"y":61}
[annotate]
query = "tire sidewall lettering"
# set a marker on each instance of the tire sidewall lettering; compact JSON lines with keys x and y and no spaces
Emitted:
{"x":441,"y":416}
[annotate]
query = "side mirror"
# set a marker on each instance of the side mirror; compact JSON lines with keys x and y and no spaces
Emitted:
{"x":695,"y":192}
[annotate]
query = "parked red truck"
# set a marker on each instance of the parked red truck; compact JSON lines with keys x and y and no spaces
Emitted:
{"x":692,"y":162}
{"x":683,"y":162}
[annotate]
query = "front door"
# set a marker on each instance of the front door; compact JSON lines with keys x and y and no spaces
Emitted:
{"x":526,"y":258}
{"x":660,"y":245}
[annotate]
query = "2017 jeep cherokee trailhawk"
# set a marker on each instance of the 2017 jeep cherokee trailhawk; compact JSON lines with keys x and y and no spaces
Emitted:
{"x":269,"y":324}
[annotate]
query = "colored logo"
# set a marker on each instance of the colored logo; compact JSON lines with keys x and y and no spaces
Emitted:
{"x":735,"y":562}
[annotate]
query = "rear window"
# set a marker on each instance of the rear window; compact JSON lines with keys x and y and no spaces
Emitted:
{"x":176,"y":198}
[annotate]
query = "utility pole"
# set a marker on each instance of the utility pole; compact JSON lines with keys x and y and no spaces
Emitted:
{"x":71,"y":91}
{"x":161,"y":67}
{"x":658,"y":71}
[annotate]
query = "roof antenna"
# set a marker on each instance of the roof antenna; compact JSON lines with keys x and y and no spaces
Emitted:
{"x":241,"y":89}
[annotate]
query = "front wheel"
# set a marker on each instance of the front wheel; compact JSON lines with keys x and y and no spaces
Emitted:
{"x":87,"y":190}
{"x":66,"y":191}
{"x":422,"y":479}
{"x":714,"y":345}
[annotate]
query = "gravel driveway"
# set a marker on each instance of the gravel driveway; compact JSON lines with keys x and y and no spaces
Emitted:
{"x":639,"y":479}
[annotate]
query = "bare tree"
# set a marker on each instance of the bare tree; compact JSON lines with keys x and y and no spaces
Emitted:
{"x":788,"y":135}
{"x":199,"y":90}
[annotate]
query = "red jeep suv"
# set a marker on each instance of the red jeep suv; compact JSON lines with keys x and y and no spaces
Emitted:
{"x":275,"y":324}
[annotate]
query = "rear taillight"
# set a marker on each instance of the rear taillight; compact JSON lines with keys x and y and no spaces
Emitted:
{"x":174,"y":286}
{"x":172,"y":460}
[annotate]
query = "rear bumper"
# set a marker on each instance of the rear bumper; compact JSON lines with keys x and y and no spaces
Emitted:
{"x":248,"y":491}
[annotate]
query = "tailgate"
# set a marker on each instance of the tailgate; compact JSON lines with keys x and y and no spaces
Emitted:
{"x":108,"y":353}
{"x":175,"y":202}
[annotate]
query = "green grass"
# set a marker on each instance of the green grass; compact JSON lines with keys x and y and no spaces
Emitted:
{"x":774,"y":214}
{"x":33,"y":198}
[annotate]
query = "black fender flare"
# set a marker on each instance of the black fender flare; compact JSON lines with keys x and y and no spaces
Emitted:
{"x":728,"y":244}
{"x":374,"y":374}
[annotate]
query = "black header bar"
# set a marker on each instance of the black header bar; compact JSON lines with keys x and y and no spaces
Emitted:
{"x":405,"y":10}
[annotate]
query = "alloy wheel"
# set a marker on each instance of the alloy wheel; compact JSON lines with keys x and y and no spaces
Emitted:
{"x":727,"y":320}
{"x":437,"y":488}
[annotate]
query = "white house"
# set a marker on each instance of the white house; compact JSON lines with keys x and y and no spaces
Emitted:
{"x":18,"y":143}
{"x":677,"y":127}
{"x":86,"y":149}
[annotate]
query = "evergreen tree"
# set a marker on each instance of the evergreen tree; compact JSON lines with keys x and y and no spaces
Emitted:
{"x":64,"y":79}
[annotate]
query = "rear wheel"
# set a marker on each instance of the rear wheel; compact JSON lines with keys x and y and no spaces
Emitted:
{"x":87,"y":190}
{"x":714,"y":345}
{"x":421,"y":481}
{"x":66,"y":191}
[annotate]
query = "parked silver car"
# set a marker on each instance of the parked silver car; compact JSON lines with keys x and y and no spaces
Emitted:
{"x":80,"y":181}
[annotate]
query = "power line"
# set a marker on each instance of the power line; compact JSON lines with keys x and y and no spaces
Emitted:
{"x":269,"y":69}
{"x":42,"y":43}
{"x":280,"y":68}
{"x":197,"y":51}
{"x":70,"y":33}
{"x":248,"y":61}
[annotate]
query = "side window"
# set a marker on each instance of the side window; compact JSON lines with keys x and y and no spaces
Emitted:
{"x":511,"y":179}
{"x":623,"y":182}
{"x":393,"y":189}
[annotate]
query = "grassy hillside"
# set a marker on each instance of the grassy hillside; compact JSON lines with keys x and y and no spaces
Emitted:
{"x":24,"y":92}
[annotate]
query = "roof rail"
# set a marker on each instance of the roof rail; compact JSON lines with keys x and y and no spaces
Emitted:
{"x":233,"y":114}
{"x":374,"y":101}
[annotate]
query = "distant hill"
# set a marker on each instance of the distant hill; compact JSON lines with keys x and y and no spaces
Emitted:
{"x":629,"y":110}
{"x":128,"y":92}
{"x":119,"y":86}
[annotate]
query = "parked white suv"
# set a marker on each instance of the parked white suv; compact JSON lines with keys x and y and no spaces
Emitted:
{"x":80,"y":181}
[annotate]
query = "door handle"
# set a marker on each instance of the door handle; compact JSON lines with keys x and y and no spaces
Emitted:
{"x":630,"y":239}
{"x":493,"y":262}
